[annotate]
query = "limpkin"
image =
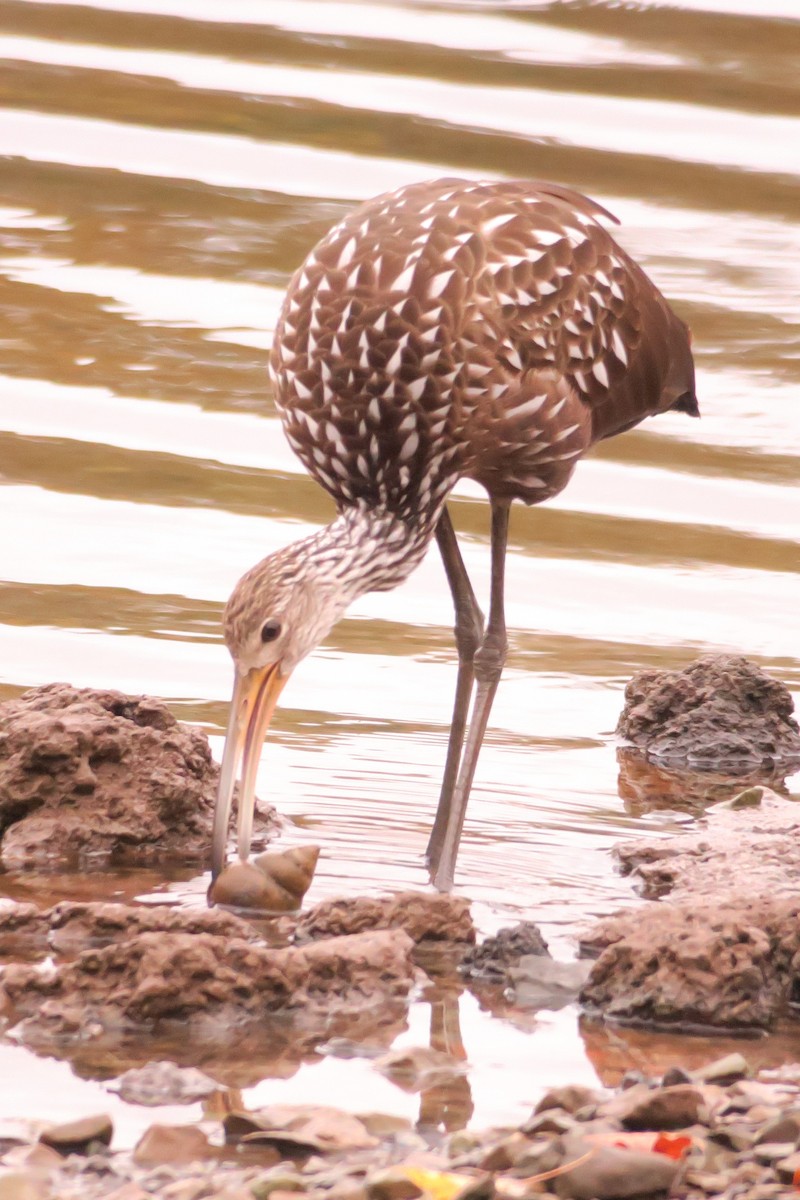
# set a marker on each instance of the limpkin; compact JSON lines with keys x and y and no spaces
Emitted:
{"x":448,"y":329}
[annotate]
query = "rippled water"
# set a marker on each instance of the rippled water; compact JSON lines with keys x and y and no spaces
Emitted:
{"x":166,"y":164}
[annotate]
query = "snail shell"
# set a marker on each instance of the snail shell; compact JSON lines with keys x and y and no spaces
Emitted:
{"x":273,"y":882}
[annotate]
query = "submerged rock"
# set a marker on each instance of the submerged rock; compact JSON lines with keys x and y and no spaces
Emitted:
{"x":721,"y":709}
{"x":101,"y":774}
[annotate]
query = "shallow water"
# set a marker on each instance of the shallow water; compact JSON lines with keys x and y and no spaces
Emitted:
{"x":166,"y":166}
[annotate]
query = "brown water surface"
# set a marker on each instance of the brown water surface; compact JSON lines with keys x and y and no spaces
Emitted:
{"x":166,"y":164}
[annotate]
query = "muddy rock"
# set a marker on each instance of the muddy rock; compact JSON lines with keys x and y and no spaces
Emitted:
{"x":749,"y":845}
{"x":434,"y":917}
{"x":155,"y":977}
{"x":78,"y":925}
{"x":104,"y":775}
{"x":492,"y":959}
{"x":719,"y":709}
{"x":720,"y":947}
{"x":698,"y":965}
{"x":23,"y":931}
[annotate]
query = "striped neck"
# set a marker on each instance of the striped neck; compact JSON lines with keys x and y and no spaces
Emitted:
{"x":368,"y":550}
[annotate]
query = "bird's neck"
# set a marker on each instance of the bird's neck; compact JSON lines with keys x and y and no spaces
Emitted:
{"x":369,"y":550}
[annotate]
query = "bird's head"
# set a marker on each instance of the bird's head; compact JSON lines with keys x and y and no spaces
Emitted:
{"x":278,"y":612}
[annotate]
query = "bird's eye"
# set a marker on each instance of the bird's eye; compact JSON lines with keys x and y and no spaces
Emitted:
{"x":270,"y":630}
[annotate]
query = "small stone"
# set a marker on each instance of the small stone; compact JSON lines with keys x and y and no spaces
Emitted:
{"x":787,"y":1168}
{"x":541,"y":1156}
{"x":713,"y":1183}
{"x":785,"y":1128}
{"x":462,"y":1142}
{"x":771,"y":1152}
{"x":503,"y":1154}
{"x":675,"y":1075}
{"x":631,"y":1079}
{"x":172,"y":1144}
{"x":749,"y":798}
{"x":76,"y":1137}
{"x":19,"y":1185}
{"x":392,"y":1184}
{"x":569,"y":1098}
{"x":276,"y":1181}
{"x":729,"y":1069}
{"x":129,"y":1191}
{"x":382,"y":1125}
{"x":665,"y":1108}
{"x":37,"y":1155}
{"x":550,"y":1121}
{"x":735,"y":1136}
{"x":610,"y":1173}
{"x":540,"y":982}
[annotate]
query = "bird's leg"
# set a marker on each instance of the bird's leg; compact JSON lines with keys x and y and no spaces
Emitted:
{"x":488,"y":665}
{"x":469,"y":634}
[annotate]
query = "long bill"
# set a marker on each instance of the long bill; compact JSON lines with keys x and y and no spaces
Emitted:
{"x":252,"y":705}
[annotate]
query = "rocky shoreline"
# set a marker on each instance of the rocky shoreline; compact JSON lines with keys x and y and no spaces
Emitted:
{"x":716,"y":1133}
{"x":229,"y":999}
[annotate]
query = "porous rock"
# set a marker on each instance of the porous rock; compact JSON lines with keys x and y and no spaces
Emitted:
{"x":720,"y":709}
{"x":424,"y":917}
{"x":693,"y":964}
{"x":492,"y":959}
{"x":155,"y":977}
{"x":76,"y":925}
{"x":23,"y":931}
{"x":102,"y":774}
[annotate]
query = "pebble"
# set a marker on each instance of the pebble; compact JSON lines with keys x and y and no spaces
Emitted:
{"x":729,"y":1069}
{"x":787,"y":1168}
{"x":392,"y":1184}
{"x":610,"y":1173}
{"x":172,"y":1145}
{"x":738,"y":1142}
{"x":78,"y":1137}
{"x":663,"y":1108}
{"x":570,"y":1098}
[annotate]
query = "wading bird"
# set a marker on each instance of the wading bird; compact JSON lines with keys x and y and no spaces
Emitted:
{"x":449,"y":329}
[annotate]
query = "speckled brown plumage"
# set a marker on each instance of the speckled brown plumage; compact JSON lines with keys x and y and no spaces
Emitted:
{"x":451,"y":329}
{"x":493,"y":330}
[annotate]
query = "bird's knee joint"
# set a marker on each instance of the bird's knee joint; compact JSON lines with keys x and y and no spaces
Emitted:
{"x":490,"y":657}
{"x":469,"y":635}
